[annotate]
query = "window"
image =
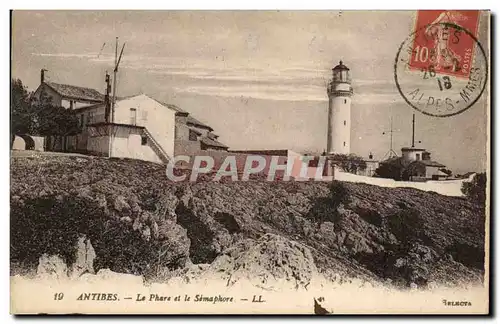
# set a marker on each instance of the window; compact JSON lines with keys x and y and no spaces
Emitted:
{"x":345,"y":123}
{"x":81,"y":120}
{"x":90,"y":118}
{"x":345,"y":101}
{"x":144,"y":140}
{"x":344,"y":143}
{"x":418,"y":156}
{"x":144,"y":115}
{"x":133,"y":116}
{"x":192,"y":135}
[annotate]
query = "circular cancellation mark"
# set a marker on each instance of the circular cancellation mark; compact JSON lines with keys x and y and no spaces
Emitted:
{"x":441,"y":69}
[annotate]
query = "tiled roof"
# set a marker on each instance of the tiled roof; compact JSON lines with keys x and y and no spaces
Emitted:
{"x":263,"y":152}
{"x":211,"y":142}
{"x":173,"y":107}
{"x":190,"y":119}
{"x":431,"y":163}
{"x":442,"y":174}
{"x":77,"y":93}
{"x":195,"y":130}
{"x":403,"y":162}
{"x":212,"y":136}
{"x":196,"y":122}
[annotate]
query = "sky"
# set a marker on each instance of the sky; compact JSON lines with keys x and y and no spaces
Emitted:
{"x":257,"y":77}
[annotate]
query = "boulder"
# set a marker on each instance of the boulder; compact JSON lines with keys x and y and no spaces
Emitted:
{"x":121,"y":204}
{"x":271,"y":262}
{"x":84,"y":258}
{"x":52,"y":267}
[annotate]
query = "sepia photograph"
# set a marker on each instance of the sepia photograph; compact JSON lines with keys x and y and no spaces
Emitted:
{"x":250,"y":162}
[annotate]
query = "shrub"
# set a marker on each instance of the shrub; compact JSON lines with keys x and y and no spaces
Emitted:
{"x":349,"y":162}
{"x":21,"y":112}
{"x":390,"y":170}
{"x":406,"y":225}
{"x":475,"y":190}
{"x":338,"y":194}
{"x":49,"y":225}
{"x":52,"y":225}
{"x":325,"y":209}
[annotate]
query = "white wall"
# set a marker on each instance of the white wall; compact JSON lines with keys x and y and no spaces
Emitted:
{"x":20,"y":144}
{"x":159,"y":120}
{"x":412,"y":155}
{"x":447,"y":188}
{"x":430,"y":171}
{"x":127,"y":144}
{"x":339,"y":134}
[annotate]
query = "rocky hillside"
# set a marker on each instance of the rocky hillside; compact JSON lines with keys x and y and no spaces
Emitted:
{"x":138,"y":222}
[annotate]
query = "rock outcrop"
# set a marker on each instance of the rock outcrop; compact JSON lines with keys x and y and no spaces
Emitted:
{"x":140,"y":223}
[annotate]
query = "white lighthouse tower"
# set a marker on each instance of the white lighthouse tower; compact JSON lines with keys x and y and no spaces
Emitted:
{"x":339,"y":111}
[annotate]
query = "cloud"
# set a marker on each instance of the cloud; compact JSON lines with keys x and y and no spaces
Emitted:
{"x":274,"y":92}
{"x":67,"y":55}
{"x":209,"y":78}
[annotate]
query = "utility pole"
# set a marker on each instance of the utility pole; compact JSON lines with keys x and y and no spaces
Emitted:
{"x":413,"y":131}
{"x":107,"y":109}
{"x":107,"y":101}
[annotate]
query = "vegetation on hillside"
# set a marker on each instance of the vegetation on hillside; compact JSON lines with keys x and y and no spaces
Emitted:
{"x":139,"y":222}
{"x":475,"y":190}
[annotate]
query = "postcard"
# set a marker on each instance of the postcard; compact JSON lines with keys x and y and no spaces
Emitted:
{"x":250,"y":162}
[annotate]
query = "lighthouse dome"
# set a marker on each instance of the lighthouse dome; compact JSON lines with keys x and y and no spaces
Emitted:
{"x":341,"y":76}
{"x":341,"y":66}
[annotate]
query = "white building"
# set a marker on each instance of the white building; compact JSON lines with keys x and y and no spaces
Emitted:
{"x":142,"y":127}
{"x":339,"y":111}
{"x":420,"y":167}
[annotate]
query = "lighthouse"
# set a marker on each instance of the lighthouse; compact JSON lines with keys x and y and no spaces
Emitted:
{"x":339,"y":111}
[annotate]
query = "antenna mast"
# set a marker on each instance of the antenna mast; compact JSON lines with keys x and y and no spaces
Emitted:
{"x":391,"y":153}
{"x":114,"y":83}
{"x":115,"y":71}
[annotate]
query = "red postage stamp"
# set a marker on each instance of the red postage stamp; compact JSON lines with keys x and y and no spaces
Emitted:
{"x":440,"y":44}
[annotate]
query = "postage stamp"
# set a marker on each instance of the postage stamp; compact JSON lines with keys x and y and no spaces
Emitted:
{"x":442,"y":42}
{"x":205,"y":162}
{"x":441,"y":69}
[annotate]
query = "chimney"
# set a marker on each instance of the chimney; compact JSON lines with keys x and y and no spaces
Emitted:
{"x":42,"y":75}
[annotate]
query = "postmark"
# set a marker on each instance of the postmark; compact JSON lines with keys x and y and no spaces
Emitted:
{"x":441,"y":69}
